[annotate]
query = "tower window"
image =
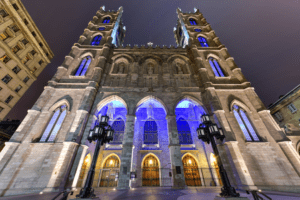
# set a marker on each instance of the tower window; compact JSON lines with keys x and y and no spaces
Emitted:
{"x":24,"y":41}
{"x":41,"y":45}
{"x":15,"y":7}
{"x":26,"y":79}
{"x":81,"y":71}
{"x":15,"y":28}
{"x":216,"y":67}
{"x":33,"y":52}
{"x":184,"y":132}
{"x":193,"y":22}
{"x":18,"y":88}
{"x":292,"y":108}
{"x":16,"y":69}
{"x":96,"y":40}
{"x":54,"y":124}
{"x":118,"y":126}
{"x":3,"y":36}
{"x":41,"y":62}
{"x":3,"y":13}
{"x":203,"y":42}
{"x":245,"y":124}
{"x":6,"y":78}
{"x":9,"y":98}
{"x":33,"y":33}
{"x":150,"y":132}
{"x":198,"y":30}
{"x":16,"y":49}
{"x":25,"y":21}
{"x":101,"y":28}
{"x":106,"y":20}
{"x":5,"y":58}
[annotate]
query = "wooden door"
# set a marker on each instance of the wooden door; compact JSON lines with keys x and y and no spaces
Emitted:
{"x":191,"y":171}
{"x":110,"y":172}
{"x":150,"y":171}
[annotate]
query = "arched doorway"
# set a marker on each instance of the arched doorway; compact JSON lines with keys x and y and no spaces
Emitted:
{"x":215,"y":169}
{"x":150,"y":171}
{"x":110,"y":172}
{"x":191,"y":171}
{"x":84,"y":170}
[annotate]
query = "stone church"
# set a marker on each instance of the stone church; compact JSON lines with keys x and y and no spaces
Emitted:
{"x":154,"y":97}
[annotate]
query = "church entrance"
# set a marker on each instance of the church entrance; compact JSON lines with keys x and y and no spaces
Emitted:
{"x":110,"y":172}
{"x":191,"y":171}
{"x":150,"y":171}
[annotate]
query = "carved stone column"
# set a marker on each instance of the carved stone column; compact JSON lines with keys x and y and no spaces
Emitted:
{"x":124,"y":175}
{"x":175,"y":154}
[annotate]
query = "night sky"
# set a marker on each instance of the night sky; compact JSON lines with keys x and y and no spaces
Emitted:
{"x":263,"y":36}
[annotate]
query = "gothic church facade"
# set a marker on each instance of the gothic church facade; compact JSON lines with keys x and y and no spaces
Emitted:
{"x":154,"y":97}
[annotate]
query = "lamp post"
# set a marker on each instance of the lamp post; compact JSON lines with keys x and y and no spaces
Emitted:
{"x":101,"y":133}
{"x":206,"y":132}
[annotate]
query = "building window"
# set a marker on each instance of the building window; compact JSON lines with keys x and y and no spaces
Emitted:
{"x":278,"y":115}
{"x":15,"y":7}
{"x":25,"y":60}
{"x":198,"y":30}
{"x":47,"y":54}
{"x":25,"y":21}
{"x":3,"y":13}
{"x":83,"y":66}
{"x":6,"y":78}
{"x":24,"y":41}
{"x":1,"y":109}
{"x":244,"y":123}
{"x":3,"y":36}
{"x":33,"y":33}
{"x":118,"y":126}
{"x":106,"y":20}
{"x":5,"y":58}
{"x":18,"y":88}
{"x":41,"y":62}
{"x":292,"y":108}
{"x":34,"y":69}
{"x":184,"y":132}
{"x":33,"y":52}
{"x":8,"y":99}
{"x":150,"y":132}
{"x":54,"y":124}
{"x":26,"y":79}
{"x":216,"y":67}
{"x":16,"y":49}
{"x":203,"y":42}
{"x":96,"y":40}
{"x":15,"y":28}
{"x":41,"y":45}
{"x":101,"y":28}
{"x":193,"y":22}
{"x":16,"y":69}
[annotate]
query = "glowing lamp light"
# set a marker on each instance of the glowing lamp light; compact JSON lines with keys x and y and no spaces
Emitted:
{"x":111,"y":162}
{"x":150,"y":162}
{"x":86,"y":160}
{"x":190,"y":161}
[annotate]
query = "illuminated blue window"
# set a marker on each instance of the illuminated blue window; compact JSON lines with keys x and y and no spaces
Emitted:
{"x":106,"y":20}
{"x":180,"y":32}
{"x":54,"y":124}
{"x":150,"y":132}
{"x":198,"y":30}
{"x":245,"y":124}
{"x":101,"y":29}
{"x":193,"y":22}
{"x":118,"y":126}
{"x":83,"y":66}
{"x":203,"y":42}
{"x":216,"y":67}
{"x":96,"y":40}
{"x":184,"y":132}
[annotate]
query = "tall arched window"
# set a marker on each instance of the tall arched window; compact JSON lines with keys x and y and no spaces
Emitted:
{"x":106,"y":20}
{"x":96,"y":40}
{"x":150,"y":132}
{"x":245,"y":124}
{"x":184,"y":132}
{"x":216,"y":67}
{"x":83,"y":66}
{"x":54,"y":124}
{"x":193,"y":22}
{"x":118,"y":126}
{"x":203,"y":41}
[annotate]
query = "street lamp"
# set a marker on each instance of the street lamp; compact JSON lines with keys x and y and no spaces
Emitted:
{"x":102,"y":133}
{"x":206,"y":132}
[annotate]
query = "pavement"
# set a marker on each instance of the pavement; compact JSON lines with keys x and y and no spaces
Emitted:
{"x":158,"y":193}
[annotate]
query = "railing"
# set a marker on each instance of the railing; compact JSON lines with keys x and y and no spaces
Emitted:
{"x":256,"y":196}
{"x":65,"y":194}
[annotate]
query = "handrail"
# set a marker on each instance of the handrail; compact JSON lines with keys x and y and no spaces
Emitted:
{"x":256,"y":196}
{"x":65,"y":194}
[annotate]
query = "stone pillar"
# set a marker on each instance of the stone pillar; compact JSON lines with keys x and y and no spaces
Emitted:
{"x":82,"y":149}
{"x":175,"y":154}
{"x":124,"y":175}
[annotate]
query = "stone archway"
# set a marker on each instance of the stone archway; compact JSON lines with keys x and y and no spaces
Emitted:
{"x":110,"y":172}
{"x":191,"y":171}
{"x":84,"y":170}
{"x":150,"y":171}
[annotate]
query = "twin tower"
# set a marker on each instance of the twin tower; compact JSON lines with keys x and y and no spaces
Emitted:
{"x":154,"y":98}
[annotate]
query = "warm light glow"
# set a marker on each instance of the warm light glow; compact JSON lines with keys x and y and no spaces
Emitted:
{"x":190,"y":161}
{"x":150,"y":162}
{"x":111,"y":162}
{"x":86,"y":160}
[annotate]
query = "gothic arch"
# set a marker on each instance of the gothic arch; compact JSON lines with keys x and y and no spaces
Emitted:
{"x":173,"y":57}
{"x":94,"y":35}
{"x":143,"y":100}
{"x":85,"y":55}
{"x":156,"y":58}
{"x":151,"y":155}
{"x":128,"y":57}
{"x":117,"y":62}
{"x":193,"y":156}
{"x":108,"y":156}
{"x":108,"y":99}
{"x":103,"y":17}
{"x":240,"y":104}
{"x":60,"y":103}
{"x":212,"y":55}
{"x":191,"y":98}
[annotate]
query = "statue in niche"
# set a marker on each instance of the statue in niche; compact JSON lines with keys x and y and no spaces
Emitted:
{"x":191,"y":112}
{"x":150,"y":68}
{"x":110,"y":111}
{"x":121,"y":68}
{"x":179,"y":68}
{"x":150,"y":111}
